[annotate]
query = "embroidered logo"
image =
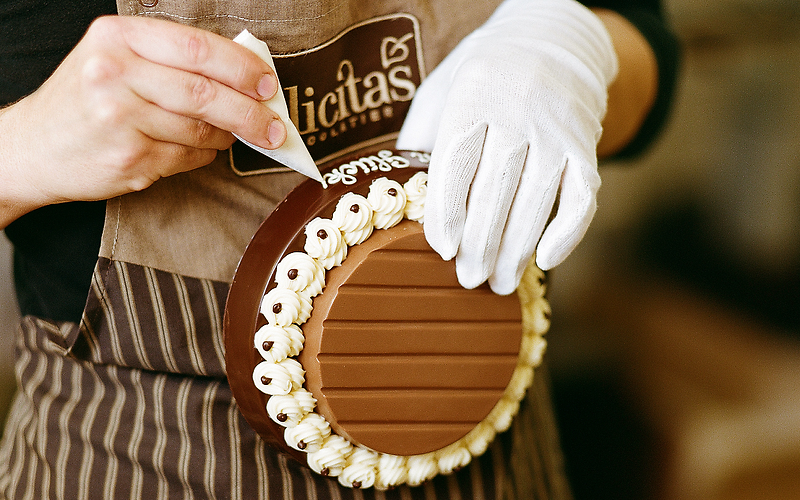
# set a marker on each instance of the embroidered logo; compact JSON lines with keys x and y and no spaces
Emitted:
{"x":348,"y":93}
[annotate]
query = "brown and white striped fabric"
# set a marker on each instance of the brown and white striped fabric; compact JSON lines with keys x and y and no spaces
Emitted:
{"x":133,"y":403}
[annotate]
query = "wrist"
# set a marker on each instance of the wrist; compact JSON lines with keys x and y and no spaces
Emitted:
{"x":633,"y":92}
{"x":18,"y":194}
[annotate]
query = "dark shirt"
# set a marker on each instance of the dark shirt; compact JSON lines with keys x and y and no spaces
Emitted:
{"x":55,"y":247}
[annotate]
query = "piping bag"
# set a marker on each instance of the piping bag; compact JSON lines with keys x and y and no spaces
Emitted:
{"x":293,"y":153}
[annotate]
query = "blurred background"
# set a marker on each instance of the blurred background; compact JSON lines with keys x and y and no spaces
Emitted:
{"x":675,"y":344}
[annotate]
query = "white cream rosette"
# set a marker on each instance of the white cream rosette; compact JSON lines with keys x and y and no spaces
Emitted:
{"x":416,"y":189}
{"x":300,"y":273}
{"x":288,"y":409}
{"x":392,"y":471}
{"x":276,"y":343}
{"x":388,"y":201}
{"x":282,"y":307}
{"x":421,"y":468}
{"x":309,"y":434}
{"x":324,"y":242}
{"x":353,"y":215}
{"x":279,"y":378}
{"x":331,"y":458}
{"x":360,"y":473}
{"x":453,"y":457}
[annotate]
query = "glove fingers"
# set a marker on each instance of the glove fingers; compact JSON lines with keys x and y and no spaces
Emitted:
{"x":526,"y":221}
{"x":450,"y":174}
{"x":576,"y":207}
{"x":490,"y":199}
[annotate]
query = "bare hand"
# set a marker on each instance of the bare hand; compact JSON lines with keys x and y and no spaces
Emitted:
{"x":136,"y":100}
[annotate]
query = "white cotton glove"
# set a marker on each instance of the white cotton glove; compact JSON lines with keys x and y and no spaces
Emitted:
{"x":512,"y":118}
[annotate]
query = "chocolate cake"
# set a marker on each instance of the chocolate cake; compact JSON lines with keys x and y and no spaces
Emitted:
{"x":351,"y":344}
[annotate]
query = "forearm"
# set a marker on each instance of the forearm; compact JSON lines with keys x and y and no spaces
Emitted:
{"x":633,"y":92}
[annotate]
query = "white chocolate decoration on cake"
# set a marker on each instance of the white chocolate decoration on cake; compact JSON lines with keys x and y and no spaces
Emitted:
{"x":278,"y":378}
{"x":331,"y":458}
{"x":324,"y":242}
{"x":388,"y":200}
{"x":288,"y":409}
{"x":300,"y":277}
{"x":361,"y":471}
{"x":309,"y":434}
{"x":392,"y":471}
{"x":283,"y":307}
{"x":299,"y":272}
{"x":353,"y":216}
{"x":416,"y":189}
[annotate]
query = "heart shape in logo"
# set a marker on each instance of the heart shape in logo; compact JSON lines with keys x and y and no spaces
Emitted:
{"x":394,"y":50}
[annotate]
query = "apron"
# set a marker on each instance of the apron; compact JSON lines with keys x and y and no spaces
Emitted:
{"x":133,"y":402}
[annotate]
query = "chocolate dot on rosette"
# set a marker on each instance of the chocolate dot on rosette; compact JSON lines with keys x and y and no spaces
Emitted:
{"x":287,"y":410}
{"x":353,"y":217}
{"x":325,"y":242}
{"x":278,"y":378}
{"x":331,"y":458}
{"x":361,"y":470}
{"x":388,"y":208}
{"x":276,"y":343}
{"x":282,"y":307}
{"x":309,"y":434}
{"x":301,"y":273}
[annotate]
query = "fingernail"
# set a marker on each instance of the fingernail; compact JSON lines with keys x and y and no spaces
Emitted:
{"x":276,"y":132}
{"x":267,"y":86}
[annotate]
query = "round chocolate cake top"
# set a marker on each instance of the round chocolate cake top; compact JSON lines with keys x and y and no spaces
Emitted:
{"x":350,"y":343}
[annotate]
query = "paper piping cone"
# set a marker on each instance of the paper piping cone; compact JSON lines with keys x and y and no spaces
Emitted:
{"x":293,"y":153}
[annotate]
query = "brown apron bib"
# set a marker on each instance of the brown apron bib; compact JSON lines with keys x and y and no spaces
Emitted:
{"x":134,"y":402}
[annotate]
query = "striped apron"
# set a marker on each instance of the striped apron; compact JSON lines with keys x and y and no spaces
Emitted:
{"x":133,"y":401}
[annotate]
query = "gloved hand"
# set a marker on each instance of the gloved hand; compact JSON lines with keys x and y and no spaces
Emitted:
{"x":512,"y":118}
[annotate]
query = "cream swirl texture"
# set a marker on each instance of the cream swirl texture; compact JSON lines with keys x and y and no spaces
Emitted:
{"x":331,"y":458}
{"x":324,"y":242}
{"x":416,"y":189}
{"x":478,"y":439}
{"x":353,"y":216}
{"x":299,"y":272}
{"x":392,"y":471}
{"x":309,"y":434}
{"x":453,"y":457}
{"x":421,"y":468}
{"x":287,"y":410}
{"x":276,"y":343}
{"x":388,"y":200}
{"x":503,"y":414}
{"x":360,"y":473}
{"x":278,"y":378}
{"x":282,"y":307}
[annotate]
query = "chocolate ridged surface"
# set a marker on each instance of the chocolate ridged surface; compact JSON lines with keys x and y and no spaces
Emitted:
{"x":401,"y":358}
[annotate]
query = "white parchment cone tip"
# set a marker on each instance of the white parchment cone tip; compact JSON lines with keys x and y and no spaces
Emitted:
{"x":293,"y":153}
